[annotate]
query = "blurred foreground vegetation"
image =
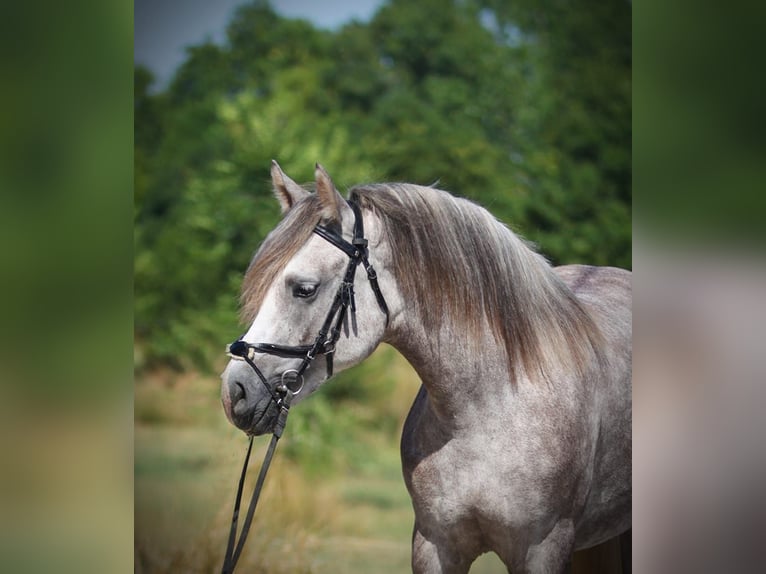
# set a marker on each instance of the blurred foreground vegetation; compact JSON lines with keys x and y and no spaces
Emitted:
{"x":334,"y":500}
{"x":524,"y":108}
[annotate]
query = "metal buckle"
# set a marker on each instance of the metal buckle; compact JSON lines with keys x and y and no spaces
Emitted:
{"x":298,"y":377}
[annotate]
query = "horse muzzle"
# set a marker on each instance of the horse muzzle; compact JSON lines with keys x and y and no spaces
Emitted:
{"x":247,"y":404}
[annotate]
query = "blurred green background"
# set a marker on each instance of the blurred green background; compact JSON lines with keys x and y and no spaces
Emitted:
{"x":524,"y":107}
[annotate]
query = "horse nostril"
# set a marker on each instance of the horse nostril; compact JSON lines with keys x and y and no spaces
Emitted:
{"x":238,"y":398}
{"x":236,"y":391}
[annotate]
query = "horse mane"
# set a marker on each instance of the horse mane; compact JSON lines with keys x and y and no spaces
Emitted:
{"x":452,"y":258}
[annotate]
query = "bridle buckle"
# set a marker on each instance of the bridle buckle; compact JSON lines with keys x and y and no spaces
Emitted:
{"x":294,"y":376}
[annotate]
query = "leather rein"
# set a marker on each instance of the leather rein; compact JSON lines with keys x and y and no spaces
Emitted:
{"x":292,"y":380}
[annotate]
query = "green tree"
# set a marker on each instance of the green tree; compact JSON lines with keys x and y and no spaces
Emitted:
{"x":523,"y":107}
{"x":574,"y":165}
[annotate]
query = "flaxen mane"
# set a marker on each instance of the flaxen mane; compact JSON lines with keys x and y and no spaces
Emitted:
{"x":452,"y":258}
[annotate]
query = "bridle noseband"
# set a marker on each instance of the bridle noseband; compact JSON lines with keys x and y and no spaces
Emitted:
{"x":324,"y":344}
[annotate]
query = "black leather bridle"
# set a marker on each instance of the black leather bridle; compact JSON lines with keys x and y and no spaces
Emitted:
{"x":292,"y":379}
{"x":326,"y":339}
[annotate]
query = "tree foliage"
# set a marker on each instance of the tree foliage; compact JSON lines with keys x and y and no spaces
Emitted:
{"x":524,"y":107}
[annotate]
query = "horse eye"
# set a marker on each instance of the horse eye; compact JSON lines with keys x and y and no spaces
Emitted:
{"x":304,"y":290}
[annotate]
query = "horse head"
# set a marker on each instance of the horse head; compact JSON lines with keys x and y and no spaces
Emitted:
{"x":311,"y":310}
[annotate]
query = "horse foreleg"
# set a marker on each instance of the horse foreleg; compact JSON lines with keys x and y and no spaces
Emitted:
{"x":552,"y":555}
{"x":433,"y":557}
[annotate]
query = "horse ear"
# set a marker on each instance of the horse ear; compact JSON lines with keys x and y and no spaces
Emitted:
{"x":287,"y":192}
{"x":329,"y":198}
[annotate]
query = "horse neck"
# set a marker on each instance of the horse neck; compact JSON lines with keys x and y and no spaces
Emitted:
{"x":447,"y":364}
{"x":446,"y":361}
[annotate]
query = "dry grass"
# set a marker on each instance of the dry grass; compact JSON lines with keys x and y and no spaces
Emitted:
{"x":187,"y":461}
{"x":352,"y":516}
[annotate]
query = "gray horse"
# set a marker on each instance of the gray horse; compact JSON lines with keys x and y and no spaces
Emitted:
{"x":519,"y":440}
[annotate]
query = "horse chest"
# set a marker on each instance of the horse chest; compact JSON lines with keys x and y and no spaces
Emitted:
{"x":465,"y":483}
{"x":502,"y":477}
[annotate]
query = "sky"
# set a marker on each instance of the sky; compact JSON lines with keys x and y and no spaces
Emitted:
{"x":164,"y":28}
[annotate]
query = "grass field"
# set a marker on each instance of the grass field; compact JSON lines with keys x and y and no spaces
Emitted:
{"x":350,"y":513}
